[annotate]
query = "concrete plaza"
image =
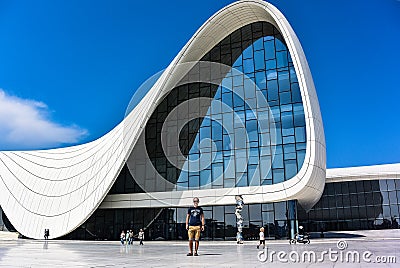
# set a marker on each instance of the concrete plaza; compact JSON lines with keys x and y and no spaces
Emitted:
{"x":58,"y":253}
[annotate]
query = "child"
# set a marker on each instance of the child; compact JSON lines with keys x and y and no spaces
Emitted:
{"x":122,"y":236}
{"x":127,"y":237}
{"x":262,"y":238}
{"x":239,"y":238}
{"x":141,"y":236}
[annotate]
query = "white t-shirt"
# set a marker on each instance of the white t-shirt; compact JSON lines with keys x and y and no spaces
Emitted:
{"x":141,"y":235}
{"x":262,"y":237}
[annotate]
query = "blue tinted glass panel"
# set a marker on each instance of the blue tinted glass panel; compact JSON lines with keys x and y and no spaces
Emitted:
{"x":251,"y":133}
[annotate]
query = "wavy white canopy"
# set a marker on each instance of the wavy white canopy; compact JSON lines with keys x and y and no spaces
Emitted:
{"x":59,"y":189}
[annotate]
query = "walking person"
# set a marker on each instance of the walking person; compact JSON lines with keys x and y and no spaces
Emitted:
{"x":127,"y":237}
{"x":141,"y":237}
{"x":262,"y":238}
{"x":239,"y":238}
{"x":46,"y":234}
{"x":122,"y":237}
{"x":130,"y":237}
{"x":194,"y":225}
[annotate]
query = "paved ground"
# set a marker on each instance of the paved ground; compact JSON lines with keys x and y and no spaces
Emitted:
{"x":36,"y":253}
{"x":8,"y":236}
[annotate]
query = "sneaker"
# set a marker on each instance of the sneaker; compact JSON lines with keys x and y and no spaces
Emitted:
{"x":195,"y":254}
{"x":189,"y":254}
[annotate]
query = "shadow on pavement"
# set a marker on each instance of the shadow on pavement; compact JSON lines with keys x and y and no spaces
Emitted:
{"x":335,"y":235}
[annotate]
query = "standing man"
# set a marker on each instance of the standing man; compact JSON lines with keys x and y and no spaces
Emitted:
{"x":194,"y":224}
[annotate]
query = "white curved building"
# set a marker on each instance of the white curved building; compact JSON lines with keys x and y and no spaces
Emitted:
{"x":270,"y":148}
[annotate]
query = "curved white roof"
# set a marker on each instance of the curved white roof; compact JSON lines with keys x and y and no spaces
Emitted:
{"x":59,"y":189}
{"x":375,"y":172}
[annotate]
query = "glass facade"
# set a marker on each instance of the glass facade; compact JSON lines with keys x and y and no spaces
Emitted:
{"x":2,"y":227}
{"x":169,"y":223}
{"x":352,"y":205}
{"x":355,"y":205}
{"x":236,"y":139}
{"x":224,"y":143}
{"x":250,"y":132}
{"x":125,"y":183}
{"x":5,"y":224}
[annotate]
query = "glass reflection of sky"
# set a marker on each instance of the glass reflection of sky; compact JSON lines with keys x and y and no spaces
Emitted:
{"x":268,"y":64}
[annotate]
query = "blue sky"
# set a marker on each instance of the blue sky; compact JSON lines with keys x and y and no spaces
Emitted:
{"x":69,"y":68}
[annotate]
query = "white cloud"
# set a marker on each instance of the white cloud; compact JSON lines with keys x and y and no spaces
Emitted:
{"x":24,"y":124}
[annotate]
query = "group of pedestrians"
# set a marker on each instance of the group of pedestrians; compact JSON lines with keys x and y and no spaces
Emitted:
{"x":127,"y":237}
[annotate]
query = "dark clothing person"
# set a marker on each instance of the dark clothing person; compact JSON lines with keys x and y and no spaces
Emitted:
{"x":46,"y":234}
{"x":195,"y":216}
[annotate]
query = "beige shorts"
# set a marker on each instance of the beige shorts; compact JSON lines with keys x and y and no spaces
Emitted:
{"x":194,"y":232}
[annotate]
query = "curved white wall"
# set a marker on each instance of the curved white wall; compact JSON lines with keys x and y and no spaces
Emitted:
{"x":376,"y":172}
{"x":59,"y":189}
